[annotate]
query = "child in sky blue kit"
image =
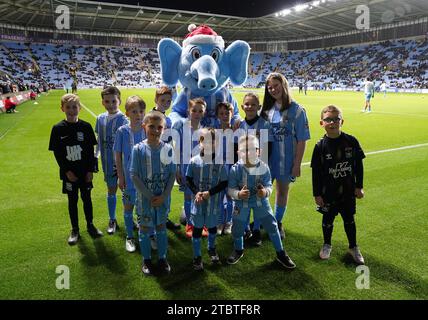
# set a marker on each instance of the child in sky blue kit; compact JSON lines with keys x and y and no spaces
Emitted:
{"x":127,"y":136}
{"x":224,"y":113}
{"x":206,"y":180}
{"x":153,"y":173}
{"x":290,"y":131}
{"x":250,"y":186}
{"x":187,"y":131}
{"x":106,"y":127}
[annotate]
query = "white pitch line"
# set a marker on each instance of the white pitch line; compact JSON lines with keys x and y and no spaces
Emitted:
{"x":89,"y":110}
{"x":398,"y":114}
{"x":387,"y":150}
{"x":308,"y":163}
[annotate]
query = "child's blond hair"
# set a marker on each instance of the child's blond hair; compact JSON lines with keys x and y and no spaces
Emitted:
{"x":252,"y":95}
{"x":331,"y":108}
{"x":70,"y":97}
{"x":247,"y":142}
{"x":154,"y":116}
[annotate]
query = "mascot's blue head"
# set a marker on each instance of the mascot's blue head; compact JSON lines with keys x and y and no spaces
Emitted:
{"x":203,"y":64}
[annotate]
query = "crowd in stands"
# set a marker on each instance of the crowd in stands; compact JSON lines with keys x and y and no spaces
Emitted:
{"x":400,"y":64}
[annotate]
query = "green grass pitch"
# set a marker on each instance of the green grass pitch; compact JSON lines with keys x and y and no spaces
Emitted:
{"x":391,"y":221}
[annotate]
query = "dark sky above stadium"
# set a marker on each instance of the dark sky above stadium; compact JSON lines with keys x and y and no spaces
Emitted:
{"x":242,"y":8}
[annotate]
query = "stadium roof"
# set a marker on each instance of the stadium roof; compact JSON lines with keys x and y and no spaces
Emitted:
{"x":312,"y":19}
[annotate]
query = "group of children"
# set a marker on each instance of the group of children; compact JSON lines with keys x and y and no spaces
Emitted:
{"x":225,"y":171}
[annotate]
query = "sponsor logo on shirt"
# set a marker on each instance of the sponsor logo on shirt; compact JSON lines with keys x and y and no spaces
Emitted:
{"x":74,"y":153}
{"x":341,"y":170}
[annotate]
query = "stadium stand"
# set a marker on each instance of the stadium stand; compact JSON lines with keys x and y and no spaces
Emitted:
{"x":111,"y":43}
{"x":400,"y":63}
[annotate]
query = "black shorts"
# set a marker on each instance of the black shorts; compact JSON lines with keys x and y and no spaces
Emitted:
{"x":346,"y":208}
{"x":73,"y":187}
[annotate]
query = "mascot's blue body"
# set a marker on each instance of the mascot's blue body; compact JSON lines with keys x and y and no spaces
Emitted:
{"x":203,"y":67}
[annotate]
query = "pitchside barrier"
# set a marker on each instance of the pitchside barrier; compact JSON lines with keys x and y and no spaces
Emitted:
{"x":15,"y":97}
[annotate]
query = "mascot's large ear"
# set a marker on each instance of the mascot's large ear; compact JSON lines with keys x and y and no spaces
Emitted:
{"x":238,"y":53}
{"x":169,"y":54}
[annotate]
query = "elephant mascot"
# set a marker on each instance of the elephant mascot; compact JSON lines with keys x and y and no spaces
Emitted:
{"x":203,"y":66}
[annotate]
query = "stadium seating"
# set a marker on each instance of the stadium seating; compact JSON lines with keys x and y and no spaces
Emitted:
{"x":401,"y":64}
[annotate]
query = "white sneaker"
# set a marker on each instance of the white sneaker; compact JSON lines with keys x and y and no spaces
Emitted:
{"x":325,"y":251}
{"x":153,"y":243}
{"x":130,"y":245}
{"x":356,"y":255}
{"x":227,"y":228}
{"x":220,"y":229}
{"x":363,"y":110}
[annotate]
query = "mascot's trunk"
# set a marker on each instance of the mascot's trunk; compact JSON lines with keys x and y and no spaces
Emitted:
{"x":205,"y":71}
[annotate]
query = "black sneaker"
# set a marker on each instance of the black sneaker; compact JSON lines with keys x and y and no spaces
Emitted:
{"x":235,"y":256}
{"x":93,"y":231}
{"x":256,"y":239}
{"x":147,"y":267}
{"x":247,"y":235}
{"x":285,"y":260}
{"x":171,"y":225}
{"x":112,"y":226}
{"x":135,"y":226}
{"x":73,"y":238}
{"x":164,"y":266}
{"x":197,"y":264}
{"x":281,"y":231}
{"x":213,"y":255}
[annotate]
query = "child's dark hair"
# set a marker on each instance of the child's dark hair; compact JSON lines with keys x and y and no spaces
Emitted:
{"x":110,"y":90}
{"x":200,"y":101}
{"x":134,"y":100}
{"x":228,"y":106}
{"x":161,"y":91}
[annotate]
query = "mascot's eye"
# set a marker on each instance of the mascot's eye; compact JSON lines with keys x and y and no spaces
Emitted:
{"x":215,"y":54}
{"x":196,"y":54}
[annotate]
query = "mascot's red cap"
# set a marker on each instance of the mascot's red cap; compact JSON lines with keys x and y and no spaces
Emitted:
{"x":202,"y":35}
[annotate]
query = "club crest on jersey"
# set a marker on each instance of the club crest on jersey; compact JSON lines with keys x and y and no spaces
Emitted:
{"x":348,"y":152}
{"x":79,"y":136}
{"x":328,"y":156}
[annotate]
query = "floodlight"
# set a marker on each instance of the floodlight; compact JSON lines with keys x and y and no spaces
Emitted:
{"x":300,"y":7}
